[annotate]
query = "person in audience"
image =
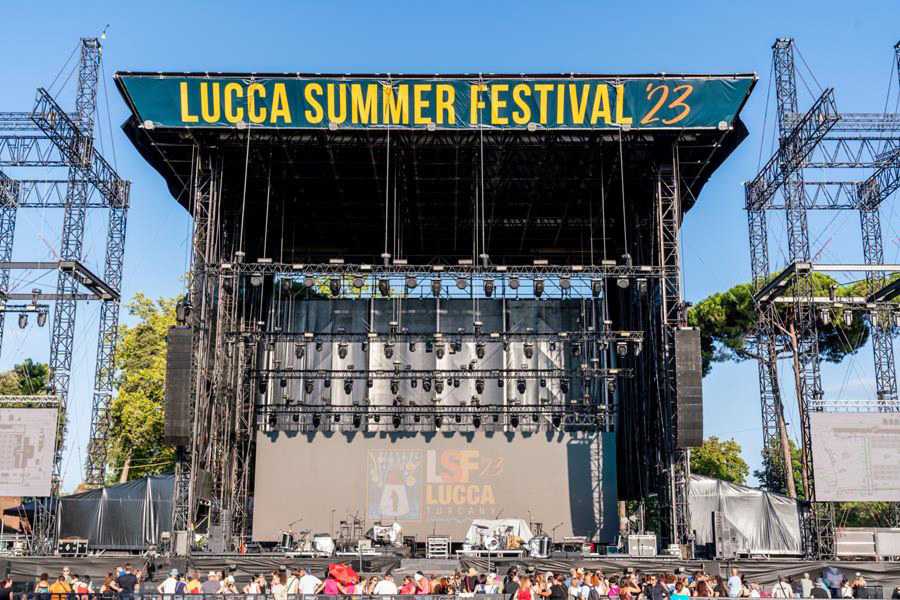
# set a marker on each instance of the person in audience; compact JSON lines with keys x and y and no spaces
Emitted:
{"x":60,"y":589}
{"x":782,"y":589}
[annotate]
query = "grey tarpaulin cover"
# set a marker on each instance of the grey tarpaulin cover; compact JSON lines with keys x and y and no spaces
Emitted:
{"x":126,"y":516}
{"x":766,"y":523}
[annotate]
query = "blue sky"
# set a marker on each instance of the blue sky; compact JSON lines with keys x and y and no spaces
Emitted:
{"x":846,"y":46}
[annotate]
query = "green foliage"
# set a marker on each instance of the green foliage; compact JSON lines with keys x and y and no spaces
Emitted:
{"x":28,"y":378}
{"x":864,"y":514}
{"x":720,"y":459}
{"x":136,"y":412}
{"x":772,"y":463}
{"x":726,"y":319}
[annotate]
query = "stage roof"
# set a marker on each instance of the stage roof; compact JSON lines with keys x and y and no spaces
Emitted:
{"x":545,"y":150}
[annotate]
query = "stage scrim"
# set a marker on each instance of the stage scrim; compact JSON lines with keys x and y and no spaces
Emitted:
{"x":26,"y":450}
{"x":436,"y":483}
{"x":856,"y":456}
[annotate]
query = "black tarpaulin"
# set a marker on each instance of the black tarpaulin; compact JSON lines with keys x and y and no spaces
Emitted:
{"x":127,"y":516}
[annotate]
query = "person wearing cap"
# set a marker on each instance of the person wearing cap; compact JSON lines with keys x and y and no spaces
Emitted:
{"x":212,"y":584}
{"x":169,"y":584}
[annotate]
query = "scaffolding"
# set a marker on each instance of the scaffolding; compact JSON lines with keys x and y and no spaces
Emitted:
{"x":821,"y":139}
{"x":51,"y":137}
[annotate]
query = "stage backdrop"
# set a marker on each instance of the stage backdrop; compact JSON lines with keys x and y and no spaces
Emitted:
{"x":436,"y":483}
{"x":26,"y":451}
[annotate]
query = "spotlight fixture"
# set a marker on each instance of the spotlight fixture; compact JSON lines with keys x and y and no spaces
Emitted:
{"x":479,"y":349}
{"x":334,"y":285}
{"x":412,"y":346}
{"x":426,"y":384}
{"x":396,"y":421}
{"x":479,"y":386}
{"x":326,"y":383}
{"x":623,"y":282}
{"x":319,"y":346}
{"x":411,"y":283}
{"x":23,"y":320}
{"x":848,"y":318}
{"x":543,"y":382}
{"x":384,"y":287}
{"x":461,"y":283}
{"x":439,"y":385}
{"x":336,"y":418}
{"x":357,"y":421}
{"x":538,"y":287}
{"x":388,"y":350}
{"x":377,"y":418}
{"x":565,"y":283}
{"x":476,"y":421}
{"x":552,"y":346}
{"x":370,"y":383}
{"x":436,"y":287}
{"x":348,"y":386}
{"x":457,"y":417}
{"x":564,"y":386}
{"x":256,"y":280}
{"x":309,"y":281}
{"x":596,"y":287}
{"x":513,"y":283}
{"x":495,"y":417}
{"x":299,"y":350}
{"x":576,"y":349}
{"x":316,"y":420}
{"x":342,"y":350}
{"x":456,"y":382}
{"x":438,"y":421}
{"x":611,"y":385}
{"x":308,"y":386}
{"x":358,"y":282}
{"x":638,"y":347}
{"x":263,"y":386}
{"x":514,"y":421}
{"x":439,"y":350}
{"x":395,"y":386}
{"x":529,"y":350}
{"x":520,"y":386}
{"x":642,"y":285}
{"x":41,"y":319}
{"x":295,"y":418}
{"x":488,"y":287}
{"x":621,"y":348}
{"x":364,"y":346}
{"x":556,"y":420}
{"x":282,"y":383}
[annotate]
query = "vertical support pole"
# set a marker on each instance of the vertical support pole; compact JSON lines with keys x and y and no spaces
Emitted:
{"x":95,"y":468}
{"x":668,"y":217}
{"x":8,"y":206}
{"x":808,"y":378}
{"x":63,"y":331}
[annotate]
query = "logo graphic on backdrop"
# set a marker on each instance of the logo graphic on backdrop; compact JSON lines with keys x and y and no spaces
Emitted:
{"x":432,"y":485}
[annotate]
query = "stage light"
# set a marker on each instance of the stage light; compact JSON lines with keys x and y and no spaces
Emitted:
{"x":41,"y":319}
{"x":299,"y":350}
{"x":336,"y":418}
{"x":263,"y":386}
{"x":500,"y":383}
{"x":414,"y":383}
{"x":417,"y":418}
{"x":456,"y":346}
{"x":357,"y":421}
{"x":543,"y":382}
{"x":642,"y":285}
{"x":621,"y":348}
{"x":411,"y":283}
{"x":348,"y":386}
{"x":282,"y":382}
{"x":439,"y":385}
{"x":529,"y":350}
{"x":506,"y":345}
{"x":538,"y":287}
{"x":514,"y":283}
{"x":384,"y":287}
{"x":308,"y":386}
{"x":576,"y":349}
{"x":396,"y":421}
{"x":611,"y":385}
{"x":535,"y":417}
{"x":436,"y":287}
{"x":395,"y":386}
{"x":319,"y":346}
{"x":556,"y":420}
{"x":565,"y":283}
{"x":476,"y":421}
{"x":596,"y":287}
{"x":479,"y":386}
{"x":316,"y":420}
{"x":388,"y":350}
{"x":488,"y":287}
{"x":335,"y":286}
{"x":295,"y":418}
{"x":326,"y":382}
{"x":638,"y":347}
{"x":364,"y":346}
{"x":848,"y":318}
{"x":342,"y":350}
{"x":377,"y":418}
{"x":412,"y":346}
{"x":370,"y":383}
{"x":426,"y":384}
{"x":520,"y":385}
{"x":552,"y":346}
{"x":623,"y":282}
{"x":461,"y":283}
{"x":456,"y":382}
{"x":273,"y":420}
{"x":309,"y":281}
{"x":514,"y":421}
{"x":439,"y":350}
{"x":256,"y":280}
{"x":479,"y":350}
{"x":564,"y":385}
{"x":358,"y":282}
{"x":825,"y":316}
{"x":438,"y":421}
{"x":495,"y":418}
{"x":23,"y":320}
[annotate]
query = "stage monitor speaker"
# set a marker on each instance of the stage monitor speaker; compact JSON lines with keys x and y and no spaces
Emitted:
{"x":688,"y":388}
{"x":177,"y":430}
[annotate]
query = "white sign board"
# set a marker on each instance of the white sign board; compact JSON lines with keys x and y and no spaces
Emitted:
{"x":856,"y":456}
{"x":26,"y":450}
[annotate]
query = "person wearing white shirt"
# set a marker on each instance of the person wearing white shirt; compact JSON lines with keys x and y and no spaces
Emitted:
{"x":169,"y":585}
{"x":309,"y":583}
{"x":386,"y":587}
{"x":782,"y":589}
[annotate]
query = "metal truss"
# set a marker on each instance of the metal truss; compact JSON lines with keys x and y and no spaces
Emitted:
{"x":821,"y":138}
{"x":50,"y":137}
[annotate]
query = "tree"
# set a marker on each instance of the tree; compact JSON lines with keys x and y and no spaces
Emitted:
{"x":135,"y":442}
{"x":28,"y":378}
{"x":720,"y":459}
{"x":796,"y":468}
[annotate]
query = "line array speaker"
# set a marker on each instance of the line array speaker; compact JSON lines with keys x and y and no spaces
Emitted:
{"x":177,"y":430}
{"x":688,"y":388}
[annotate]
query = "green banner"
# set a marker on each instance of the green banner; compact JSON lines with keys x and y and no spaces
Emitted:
{"x":304,"y":102}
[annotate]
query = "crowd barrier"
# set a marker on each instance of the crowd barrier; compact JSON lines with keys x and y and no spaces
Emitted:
{"x":241,"y":596}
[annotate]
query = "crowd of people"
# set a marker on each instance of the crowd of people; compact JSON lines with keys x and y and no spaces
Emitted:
{"x":129,"y":583}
